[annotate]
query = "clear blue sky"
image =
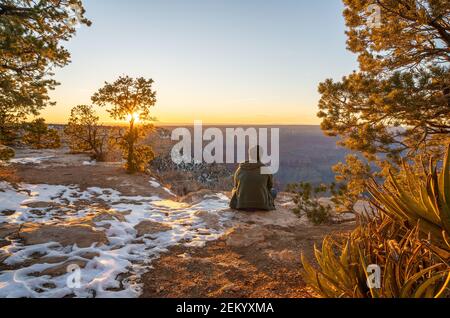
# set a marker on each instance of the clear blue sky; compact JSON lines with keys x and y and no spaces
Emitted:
{"x":241,"y":61}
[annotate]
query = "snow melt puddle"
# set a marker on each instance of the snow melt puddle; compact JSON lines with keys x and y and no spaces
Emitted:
{"x":108,"y":270}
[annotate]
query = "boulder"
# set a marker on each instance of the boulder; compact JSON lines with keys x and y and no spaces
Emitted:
{"x":150,"y":227}
{"x":82,"y":235}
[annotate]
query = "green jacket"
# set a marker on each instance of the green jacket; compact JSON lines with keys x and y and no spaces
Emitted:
{"x":252,"y":189}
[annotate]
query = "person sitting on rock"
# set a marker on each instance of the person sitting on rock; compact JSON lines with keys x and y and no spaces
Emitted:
{"x":253,"y":190}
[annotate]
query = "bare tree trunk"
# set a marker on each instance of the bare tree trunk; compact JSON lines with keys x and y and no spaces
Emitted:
{"x":130,"y":141}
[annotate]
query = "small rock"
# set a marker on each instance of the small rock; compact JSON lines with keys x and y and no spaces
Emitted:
{"x":50,"y":260}
{"x":286,"y":256}
{"x":7,"y":212}
{"x":49,"y":286}
{"x":89,"y":255}
{"x":230,"y":288}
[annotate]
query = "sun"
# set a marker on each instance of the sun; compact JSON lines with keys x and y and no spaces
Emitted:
{"x":135,"y":116}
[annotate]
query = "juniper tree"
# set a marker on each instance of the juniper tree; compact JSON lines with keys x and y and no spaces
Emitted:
{"x":130,"y":99}
{"x":85,"y":134}
{"x":39,"y":136}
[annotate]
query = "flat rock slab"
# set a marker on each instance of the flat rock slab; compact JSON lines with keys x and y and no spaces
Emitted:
{"x":41,"y":205}
{"x":8,"y":229}
{"x":109,"y":216}
{"x":286,"y":256}
{"x":62,"y":269}
{"x":245,"y":236}
{"x":3,"y":243}
{"x":212,"y":221}
{"x":81,"y":234}
{"x":282,"y":217}
{"x":150,"y":227}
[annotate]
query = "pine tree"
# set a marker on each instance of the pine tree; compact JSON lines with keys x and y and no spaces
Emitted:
{"x":398,"y":103}
{"x":31,"y":37}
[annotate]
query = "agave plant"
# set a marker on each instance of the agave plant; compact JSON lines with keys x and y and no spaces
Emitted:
{"x":408,"y":240}
{"x":409,"y":267}
{"x":423,"y":199}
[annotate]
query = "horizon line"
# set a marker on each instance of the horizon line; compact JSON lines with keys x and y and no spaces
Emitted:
{"x":204,"y":123}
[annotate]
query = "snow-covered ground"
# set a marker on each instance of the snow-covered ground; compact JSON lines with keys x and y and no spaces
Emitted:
{"x":31,"y":160}
{"x":118,"y":264}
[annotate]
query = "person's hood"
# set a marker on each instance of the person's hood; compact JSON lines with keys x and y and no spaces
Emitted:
{"x":251,"y":166}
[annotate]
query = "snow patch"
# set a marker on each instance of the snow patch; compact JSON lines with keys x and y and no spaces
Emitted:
{"x":31,"y":160}
{"x":118,"y":265}
{"x":154,"y":184}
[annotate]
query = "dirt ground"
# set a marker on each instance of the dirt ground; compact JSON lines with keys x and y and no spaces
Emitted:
{"x":269,"y":269}
{"x":258,"y":257}
{"x":63,"y":168}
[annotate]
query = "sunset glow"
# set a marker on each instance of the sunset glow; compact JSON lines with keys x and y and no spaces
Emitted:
{"x":236,"y":66}
{"x":135,"y":117}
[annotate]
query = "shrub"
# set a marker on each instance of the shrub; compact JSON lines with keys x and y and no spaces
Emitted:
{"x":6,"y":153}
{"x":9,"y":133}
{"x":139,"y":159}
{"x":39,"y":136}
{"x":307,"y":200}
